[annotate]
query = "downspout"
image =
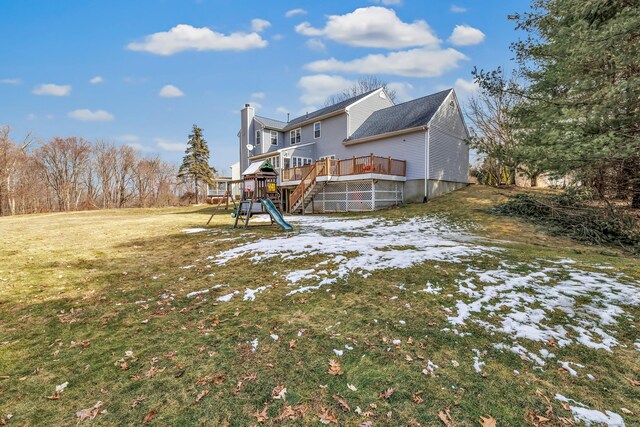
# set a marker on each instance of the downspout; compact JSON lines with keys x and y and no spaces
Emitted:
{"x":427,"y":144}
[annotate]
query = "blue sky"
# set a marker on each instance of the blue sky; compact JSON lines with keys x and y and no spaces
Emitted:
{"x":142,"y":72}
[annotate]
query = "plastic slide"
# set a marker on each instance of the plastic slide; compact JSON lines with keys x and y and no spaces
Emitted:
{"x":275,"y":214}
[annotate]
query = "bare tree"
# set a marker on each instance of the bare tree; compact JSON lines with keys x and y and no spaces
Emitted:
{"x":363,"y":85}
{"x":11,"y":156}
{"x":64,"y":161}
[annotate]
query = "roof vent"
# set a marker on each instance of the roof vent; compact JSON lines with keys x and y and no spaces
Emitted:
{"x":307,"y":114}
{"x":247,"y":105}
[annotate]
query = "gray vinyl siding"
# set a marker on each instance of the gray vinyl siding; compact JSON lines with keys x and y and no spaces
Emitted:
{"x":265,"y":145}
{"x":448,"y":152}
{"x":359,"y":112}
{"x":409,"y":147}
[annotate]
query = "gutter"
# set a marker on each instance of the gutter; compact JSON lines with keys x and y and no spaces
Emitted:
{"x":313,"y":120}
{"x":384,"y":135}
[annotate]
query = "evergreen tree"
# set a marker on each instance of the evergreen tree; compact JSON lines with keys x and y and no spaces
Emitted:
{"x":581,"y":100}
{"x":195,"y":163}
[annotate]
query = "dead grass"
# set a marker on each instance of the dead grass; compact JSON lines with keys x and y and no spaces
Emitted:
{"x":78,"y":291}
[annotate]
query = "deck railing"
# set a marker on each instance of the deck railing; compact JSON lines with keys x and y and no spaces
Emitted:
{"x":305,"y":184}
{"x":353,"y":166}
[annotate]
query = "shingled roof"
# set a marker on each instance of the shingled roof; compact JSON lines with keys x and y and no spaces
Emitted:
{"x":271,"y":123}
{"x":327,"y":110}
{"x":398,"y":117}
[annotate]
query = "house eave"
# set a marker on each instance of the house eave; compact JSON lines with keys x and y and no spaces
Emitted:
{"x":314,"y":119}
{"x":348,"y":143}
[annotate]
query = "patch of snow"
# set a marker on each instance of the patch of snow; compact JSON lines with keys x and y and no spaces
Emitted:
{"x":193,"y":230}
{"x":250,"y":294}
{"x":581,"y":412}
{"x":338,"y":352}
{"x":194,"y":293}
{"x":348,"y":347}
{"x":187,"y":267}
{"x":568,"y":368}
{"x":372,"y":244}
{"x":254,"y":345}
{"x":396,"y":342}
{"x":430,"y":289}
{"x":227,"y":297}
{"x":274,"y":337}
{"x":477,"y":363}
{"x":520,"y":303}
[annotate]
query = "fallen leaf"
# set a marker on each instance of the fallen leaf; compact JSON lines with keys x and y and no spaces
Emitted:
{"x":261,"y":417}
{"x":150,"y":416}
{"x":386,"y":394}
{"x":416,"y":396}
{"x":445,"y":417}
{"x":626,"y":411}
{"x":90,"y":413}
{"x":342,"y":402}
{"x":137,"y":401}
{"x":366,"y":424}
{"x":327,"y":417}
{"x":351,"y":387}
{"x":202,"y":394}
{"x":632,"y":381}
{"x":279,"y":392}
{"x":488,"y":422}
{"x":287,"y":414}
{"x":292,"y":344}
{"x":334,"y":368}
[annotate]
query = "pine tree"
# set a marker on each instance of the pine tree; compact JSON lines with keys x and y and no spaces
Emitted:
{"x":580,"y":61}
{"x":195,"y":163}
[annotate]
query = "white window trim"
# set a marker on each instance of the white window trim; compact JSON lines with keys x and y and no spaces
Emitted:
{"x":319,"y":130}
{"x":295,"y":133}
{"x":273,"y":132}
{"x":330,"y":156}
{"x":258,"y":139}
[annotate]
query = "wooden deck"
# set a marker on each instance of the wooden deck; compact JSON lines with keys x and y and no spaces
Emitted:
{"x":345,"y":167}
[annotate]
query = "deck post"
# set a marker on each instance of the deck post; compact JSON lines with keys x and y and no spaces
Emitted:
{"x":389,"y":165}
{"x":353,"y":168}
{"x":372,"y":164}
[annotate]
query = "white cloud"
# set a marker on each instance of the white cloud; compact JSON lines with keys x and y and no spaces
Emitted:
{"x":388,"y":2}
{"x":170,"y":91}
{"x":465,"y":88}
{"x":464,"y":35}
{"x":168,"y":145}
{"x":185,"y":37}
{"x":282,"y":110}
{"x":316,"y":45}
{"x":128,"y":138}
{"x":86,"y":115}
{"x":139,"y":147}
{"x":410,"y":63}
{"x":258,"y":95}
{"x":373,"y":26}
{"x":403,"y":91}
{"x":31,"y":116}
{"x":52,"y":90}
{"x":317,"y":88}
{"x":258,"y":25}
{"x":294,"y":12}
{"x":96,"y":80}
{"x":277,"y":37}
{"x":11,"y":81}
{"x":457,"y":9}
{"x":256,"y":105}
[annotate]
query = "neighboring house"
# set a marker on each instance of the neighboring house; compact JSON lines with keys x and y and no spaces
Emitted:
{"x":363,"y":153}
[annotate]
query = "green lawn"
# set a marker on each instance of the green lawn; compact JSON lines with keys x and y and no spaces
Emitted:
{"x":99,"y":300}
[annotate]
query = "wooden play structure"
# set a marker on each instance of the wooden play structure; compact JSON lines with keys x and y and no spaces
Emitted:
{"x":260,"y":196}
{"x":220,"y":190}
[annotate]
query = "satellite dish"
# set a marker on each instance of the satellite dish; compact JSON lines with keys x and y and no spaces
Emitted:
{"x":249,"y":147}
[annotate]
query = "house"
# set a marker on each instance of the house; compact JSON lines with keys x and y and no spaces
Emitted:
{"x":363,"y":153}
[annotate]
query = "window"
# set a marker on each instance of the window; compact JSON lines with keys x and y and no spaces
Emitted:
{"x":316,"y":130}
{"x":301,"y":161}
{"x":258,"y":137}
{"x":274,"y":137}
{"x":332,"y":157}
{"x":294,"y":136}
{"x":275,"y":162}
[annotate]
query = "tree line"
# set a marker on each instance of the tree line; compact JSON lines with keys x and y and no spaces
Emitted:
{"x":67,"y":174}
{"x":571,"y":106}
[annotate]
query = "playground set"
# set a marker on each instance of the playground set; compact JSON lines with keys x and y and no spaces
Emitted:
{"x":260,"y":196}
